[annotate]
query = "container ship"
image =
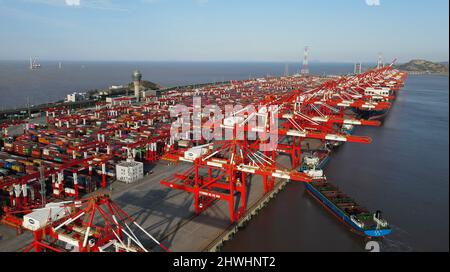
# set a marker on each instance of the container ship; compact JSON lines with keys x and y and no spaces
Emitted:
{"x":343,"y":207}
{"x":347,"y":210}
{"x":379,"y":94}
{"x":372,"y":114}
{"x":382,"y":91}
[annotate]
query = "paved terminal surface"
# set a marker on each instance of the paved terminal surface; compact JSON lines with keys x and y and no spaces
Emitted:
{"x":168,"y":214}
{"x":11,"y":242}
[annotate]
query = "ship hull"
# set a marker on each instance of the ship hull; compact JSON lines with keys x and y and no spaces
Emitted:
{"x":373,"y":114}
{"x":338,"y":213}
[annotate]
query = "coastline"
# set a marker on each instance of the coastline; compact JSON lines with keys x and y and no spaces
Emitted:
{"x":425,"y":73}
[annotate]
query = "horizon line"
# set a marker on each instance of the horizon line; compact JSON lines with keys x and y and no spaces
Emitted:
{"x":210,"y":61}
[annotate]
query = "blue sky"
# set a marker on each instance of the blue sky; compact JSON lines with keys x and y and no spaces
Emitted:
{"x":224,"y":30}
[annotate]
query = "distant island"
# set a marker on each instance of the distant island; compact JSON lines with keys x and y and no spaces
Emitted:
{"x":424,"y":67}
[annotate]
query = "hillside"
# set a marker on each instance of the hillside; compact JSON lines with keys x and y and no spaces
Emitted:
{"x":147,"y":85}
{"x":424,"y":66}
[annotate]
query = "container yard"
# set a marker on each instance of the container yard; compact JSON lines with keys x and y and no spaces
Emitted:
{"x":139,"y":173}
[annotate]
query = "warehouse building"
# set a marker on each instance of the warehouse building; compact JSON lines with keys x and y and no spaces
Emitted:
{"x":129,"y":171}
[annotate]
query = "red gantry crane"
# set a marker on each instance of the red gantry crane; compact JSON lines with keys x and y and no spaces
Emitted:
{"x":221,"y":168}
{"x":96,"y":224}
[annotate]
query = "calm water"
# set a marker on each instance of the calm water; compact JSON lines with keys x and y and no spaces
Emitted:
{"x":49,"y":83}
{"x":404,"y":172}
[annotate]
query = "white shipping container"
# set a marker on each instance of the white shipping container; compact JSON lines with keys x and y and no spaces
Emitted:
{"x":315,"y":174}
{"x":195,"y":153}
{"x":39,"y":219}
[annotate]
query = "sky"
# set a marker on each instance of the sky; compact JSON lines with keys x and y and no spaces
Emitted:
{"x":224,"y":30}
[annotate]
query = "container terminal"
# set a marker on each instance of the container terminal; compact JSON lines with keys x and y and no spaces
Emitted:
{"x":122,"y":174}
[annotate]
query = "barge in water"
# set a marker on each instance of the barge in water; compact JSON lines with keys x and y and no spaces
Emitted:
{"x":339,"y":204}
{"x":347,"y":210}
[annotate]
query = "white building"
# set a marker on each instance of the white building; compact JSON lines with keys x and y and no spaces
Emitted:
{"x":129,"y":171}
{"x":116,"y":87}
{"x":75,"y":97}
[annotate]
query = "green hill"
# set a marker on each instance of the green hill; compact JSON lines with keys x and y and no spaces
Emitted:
{"x":147,"y":85}
{"x":424,"y":66}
